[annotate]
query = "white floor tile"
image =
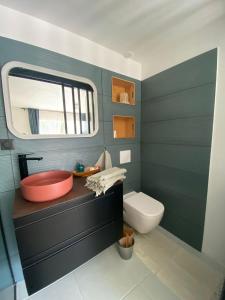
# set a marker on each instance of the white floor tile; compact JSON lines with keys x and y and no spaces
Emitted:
{"x":109,"y":277}
{"x":138,"y":294}
{"x":201,"y":255}
{"x":155,"y":250}
{"x":196,"y":267}
{"x":183,"y":284}
{"x":143,"y":251}
{"x":65,"y":288}
{"x":151,"y":289}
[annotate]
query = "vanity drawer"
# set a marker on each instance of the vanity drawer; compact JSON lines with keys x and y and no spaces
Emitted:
{"x":55,"y":266}
{"x":39,"y":236}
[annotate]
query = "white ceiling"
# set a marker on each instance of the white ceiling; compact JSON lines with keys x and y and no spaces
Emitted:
{"x":136,"y":26}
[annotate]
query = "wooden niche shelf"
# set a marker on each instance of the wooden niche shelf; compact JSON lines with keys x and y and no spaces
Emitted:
{"x":123,"y":91}
{"x":123,"y":127}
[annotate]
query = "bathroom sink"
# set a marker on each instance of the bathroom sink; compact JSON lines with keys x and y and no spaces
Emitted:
{"x":46,"y":186}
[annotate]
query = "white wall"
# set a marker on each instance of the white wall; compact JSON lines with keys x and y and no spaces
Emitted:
{"x":168,"y":55}
{"x":25,"y":28}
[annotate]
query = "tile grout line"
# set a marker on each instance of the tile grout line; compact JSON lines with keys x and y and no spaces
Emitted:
{"x":174,"y":144}
{"x":134,"y":287}
{"x":175,"y":92}
{"x":206,"y":116}
{"x":179,"y":247}
{"x":171,"y":167}
{"x":170,"y":259}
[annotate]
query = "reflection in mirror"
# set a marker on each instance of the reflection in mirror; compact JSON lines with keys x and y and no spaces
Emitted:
{"x":43,"y":104}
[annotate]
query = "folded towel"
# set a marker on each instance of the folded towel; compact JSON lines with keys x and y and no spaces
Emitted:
{"x":111,"y":182}
{"x":99,"y":188}
{"x":102,"y":181}
{"x":106,"y":174}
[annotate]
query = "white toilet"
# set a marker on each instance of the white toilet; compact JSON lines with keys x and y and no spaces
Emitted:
{"x":142,"y":212}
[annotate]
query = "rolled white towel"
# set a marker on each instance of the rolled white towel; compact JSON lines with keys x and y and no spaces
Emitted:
{"x":107,"y":174}
{"x":102,"y":181}
{"x":102,"y":188}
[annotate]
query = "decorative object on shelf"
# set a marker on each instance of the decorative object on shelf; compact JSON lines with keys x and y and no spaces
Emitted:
{"x":124,"y":98}
{"x":123,"y":91}
{"x":88,"y":171}
{"x":79,"y":167}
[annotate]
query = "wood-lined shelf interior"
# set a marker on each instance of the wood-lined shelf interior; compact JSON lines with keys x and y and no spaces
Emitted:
{"x":123,"y":127}
{"x":123,"y":91}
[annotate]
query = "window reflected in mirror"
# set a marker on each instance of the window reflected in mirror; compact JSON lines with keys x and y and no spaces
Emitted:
{"x":44,"y":104}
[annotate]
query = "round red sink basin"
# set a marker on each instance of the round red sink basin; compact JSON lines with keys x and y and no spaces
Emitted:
{"x":46,"y":186}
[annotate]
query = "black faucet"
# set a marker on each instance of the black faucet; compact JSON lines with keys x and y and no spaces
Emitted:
{"x":23,"y":164}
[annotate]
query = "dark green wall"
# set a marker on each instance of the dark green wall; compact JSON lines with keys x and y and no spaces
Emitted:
{"x":176,"y":131}
{"x":58,"y":153}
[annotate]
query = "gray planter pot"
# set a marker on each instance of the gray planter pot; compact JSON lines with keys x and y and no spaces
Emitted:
{"x":125,"y":252}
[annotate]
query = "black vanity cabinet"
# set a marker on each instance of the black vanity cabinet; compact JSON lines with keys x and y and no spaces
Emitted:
{"x":56,"y":237}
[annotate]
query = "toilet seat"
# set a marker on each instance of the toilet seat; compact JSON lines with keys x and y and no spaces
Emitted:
{"x":144,"y":204}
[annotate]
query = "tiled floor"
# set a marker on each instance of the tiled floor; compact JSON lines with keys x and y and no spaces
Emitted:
{"x":7,"y":293}
{"x":162,"y":268}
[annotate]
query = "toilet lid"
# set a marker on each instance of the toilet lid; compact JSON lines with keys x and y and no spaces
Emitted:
{"x":145,"y":204}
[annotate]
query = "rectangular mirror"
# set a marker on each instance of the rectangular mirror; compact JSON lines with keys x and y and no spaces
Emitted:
{"x":43,"y":103}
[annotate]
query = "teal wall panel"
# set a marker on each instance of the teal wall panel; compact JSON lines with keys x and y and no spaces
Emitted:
{"x":5,"y":271}
{"x":120,"y":109}
{"x":6,"y":174}
{"x":178,"y":156}
{"x":63,"y":153}
{"x":189,"y":131}
{"x":14,"y":50}
{"x":3,"y":132}
{"x":195,"y":72}
{"x":185,"y":183}
{"x":176,"y":131}
{"x":193,"y":102}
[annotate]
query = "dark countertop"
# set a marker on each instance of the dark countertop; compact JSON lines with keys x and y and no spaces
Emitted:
{"x":23,"y":208}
